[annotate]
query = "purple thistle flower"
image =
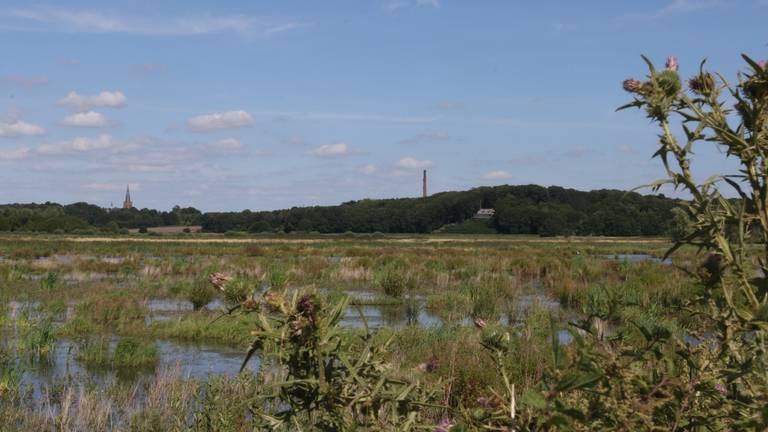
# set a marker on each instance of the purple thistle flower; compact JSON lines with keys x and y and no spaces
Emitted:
{"x":445,"y":425}
{"x":218,"y":280}
{"x":488,"y":402}
{"x":480,"y":323}
{"x":763,"y":64}
{"x":672,"y":63}
{"x":721,"y":389}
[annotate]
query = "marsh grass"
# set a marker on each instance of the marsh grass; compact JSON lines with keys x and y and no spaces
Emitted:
{"x":116,"y":311}
{"x":454,"y":281}
{"x":10,"y":376}
{"x":449,"y":306}
{"x":198,"y":327}
{"x":239,"y":289}
{"x":278,"y":276}
{"x":393,"y":280}
{"x":49,"y":281}
{"x":127,"y":353}
{"x":36,"y":335}
{"x":199,"y":293}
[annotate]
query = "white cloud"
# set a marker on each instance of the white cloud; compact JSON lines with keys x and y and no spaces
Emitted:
{"x":230,"y":144}
{"x":111,"y":99}
{"x":333,"y":116}
{"x":367,"y":169}
{"x":626,"y":149}
{"x":449,"y":105}
{"x":78,"y":145}
{"x":14,"y":154}
{"x":222,"y":120}
{"x":412,"y":163}
{"x":433,"y":3}
{"x":497,"y":175}
{"x":89,"y":119}
{"x":111,"y":187}
{"x":87,"y":144}
{"x":89,"y":21}
{"x":150,"y":168}
{"x":15,"y":128}
{"x":394,"y":5}
{"x":329,"y":150}
{"x":426,"y":137}
{"x":269,"y":31}
{"x":673,"y":8}
{"x":543,"y":124}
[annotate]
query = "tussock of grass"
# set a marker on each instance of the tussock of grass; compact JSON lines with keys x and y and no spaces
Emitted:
{"x":127,"y":353}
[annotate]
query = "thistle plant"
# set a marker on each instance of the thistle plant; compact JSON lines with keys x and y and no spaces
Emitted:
{"x":716,"y":378}
{"x":732,"y":231}
{"x":315,"y":375}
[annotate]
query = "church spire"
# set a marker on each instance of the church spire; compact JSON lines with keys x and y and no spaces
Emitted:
{"x":127,"y":203}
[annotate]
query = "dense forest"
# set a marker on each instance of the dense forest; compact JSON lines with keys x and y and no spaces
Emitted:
{"x":528,"y":209}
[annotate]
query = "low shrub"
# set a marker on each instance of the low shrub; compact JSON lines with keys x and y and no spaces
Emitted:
{"x":127,"y":353}
{"x":200,"y":294}
{"x":392,"y":281}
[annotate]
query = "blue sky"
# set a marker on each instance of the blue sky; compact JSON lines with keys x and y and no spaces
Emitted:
{"x":273,"y":104}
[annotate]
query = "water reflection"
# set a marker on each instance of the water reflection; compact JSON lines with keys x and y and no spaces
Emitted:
{"x":191,"y":361}
{"x":637,"y":258}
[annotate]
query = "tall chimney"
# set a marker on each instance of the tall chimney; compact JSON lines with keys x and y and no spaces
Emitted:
{"x":424,"y":184}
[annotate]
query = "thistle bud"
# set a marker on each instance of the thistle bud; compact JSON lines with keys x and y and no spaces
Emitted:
{"x":712,"y":269}
{"x":672,"y":63}
{"x":218,"y":280}
{"x":702,"y":84}
{"x":632,"y":85}
{"x":720,"y":387}
{"x":250,"y":304}
{"x":445,"y":425}
{"x":433,"y":364}
{"x":488,"y":402}
{"x":307,"y":307}
{"x":275,"y":302}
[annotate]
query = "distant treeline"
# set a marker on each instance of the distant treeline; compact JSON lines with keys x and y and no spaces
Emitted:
{"x":84,"y":217}
{"x":526,"y":209}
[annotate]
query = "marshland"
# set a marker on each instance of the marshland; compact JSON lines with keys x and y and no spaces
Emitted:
{"x":129,"y":333}
{"x":388,"y":215}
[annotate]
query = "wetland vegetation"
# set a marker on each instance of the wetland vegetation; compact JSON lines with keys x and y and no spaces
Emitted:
{"x":95,"y":327}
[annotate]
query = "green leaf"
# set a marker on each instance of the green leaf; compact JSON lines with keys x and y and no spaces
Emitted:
{"x":744,"y":313}
{"x":751,"y":62}
{"x":533,"y":399}
{"x":654,"y":185}
{"x":636,"y":103}
{"x":575,"y":381}
{"x":649,"y":63}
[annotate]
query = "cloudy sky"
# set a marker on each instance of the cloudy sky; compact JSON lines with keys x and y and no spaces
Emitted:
{"x":273,"y":104}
